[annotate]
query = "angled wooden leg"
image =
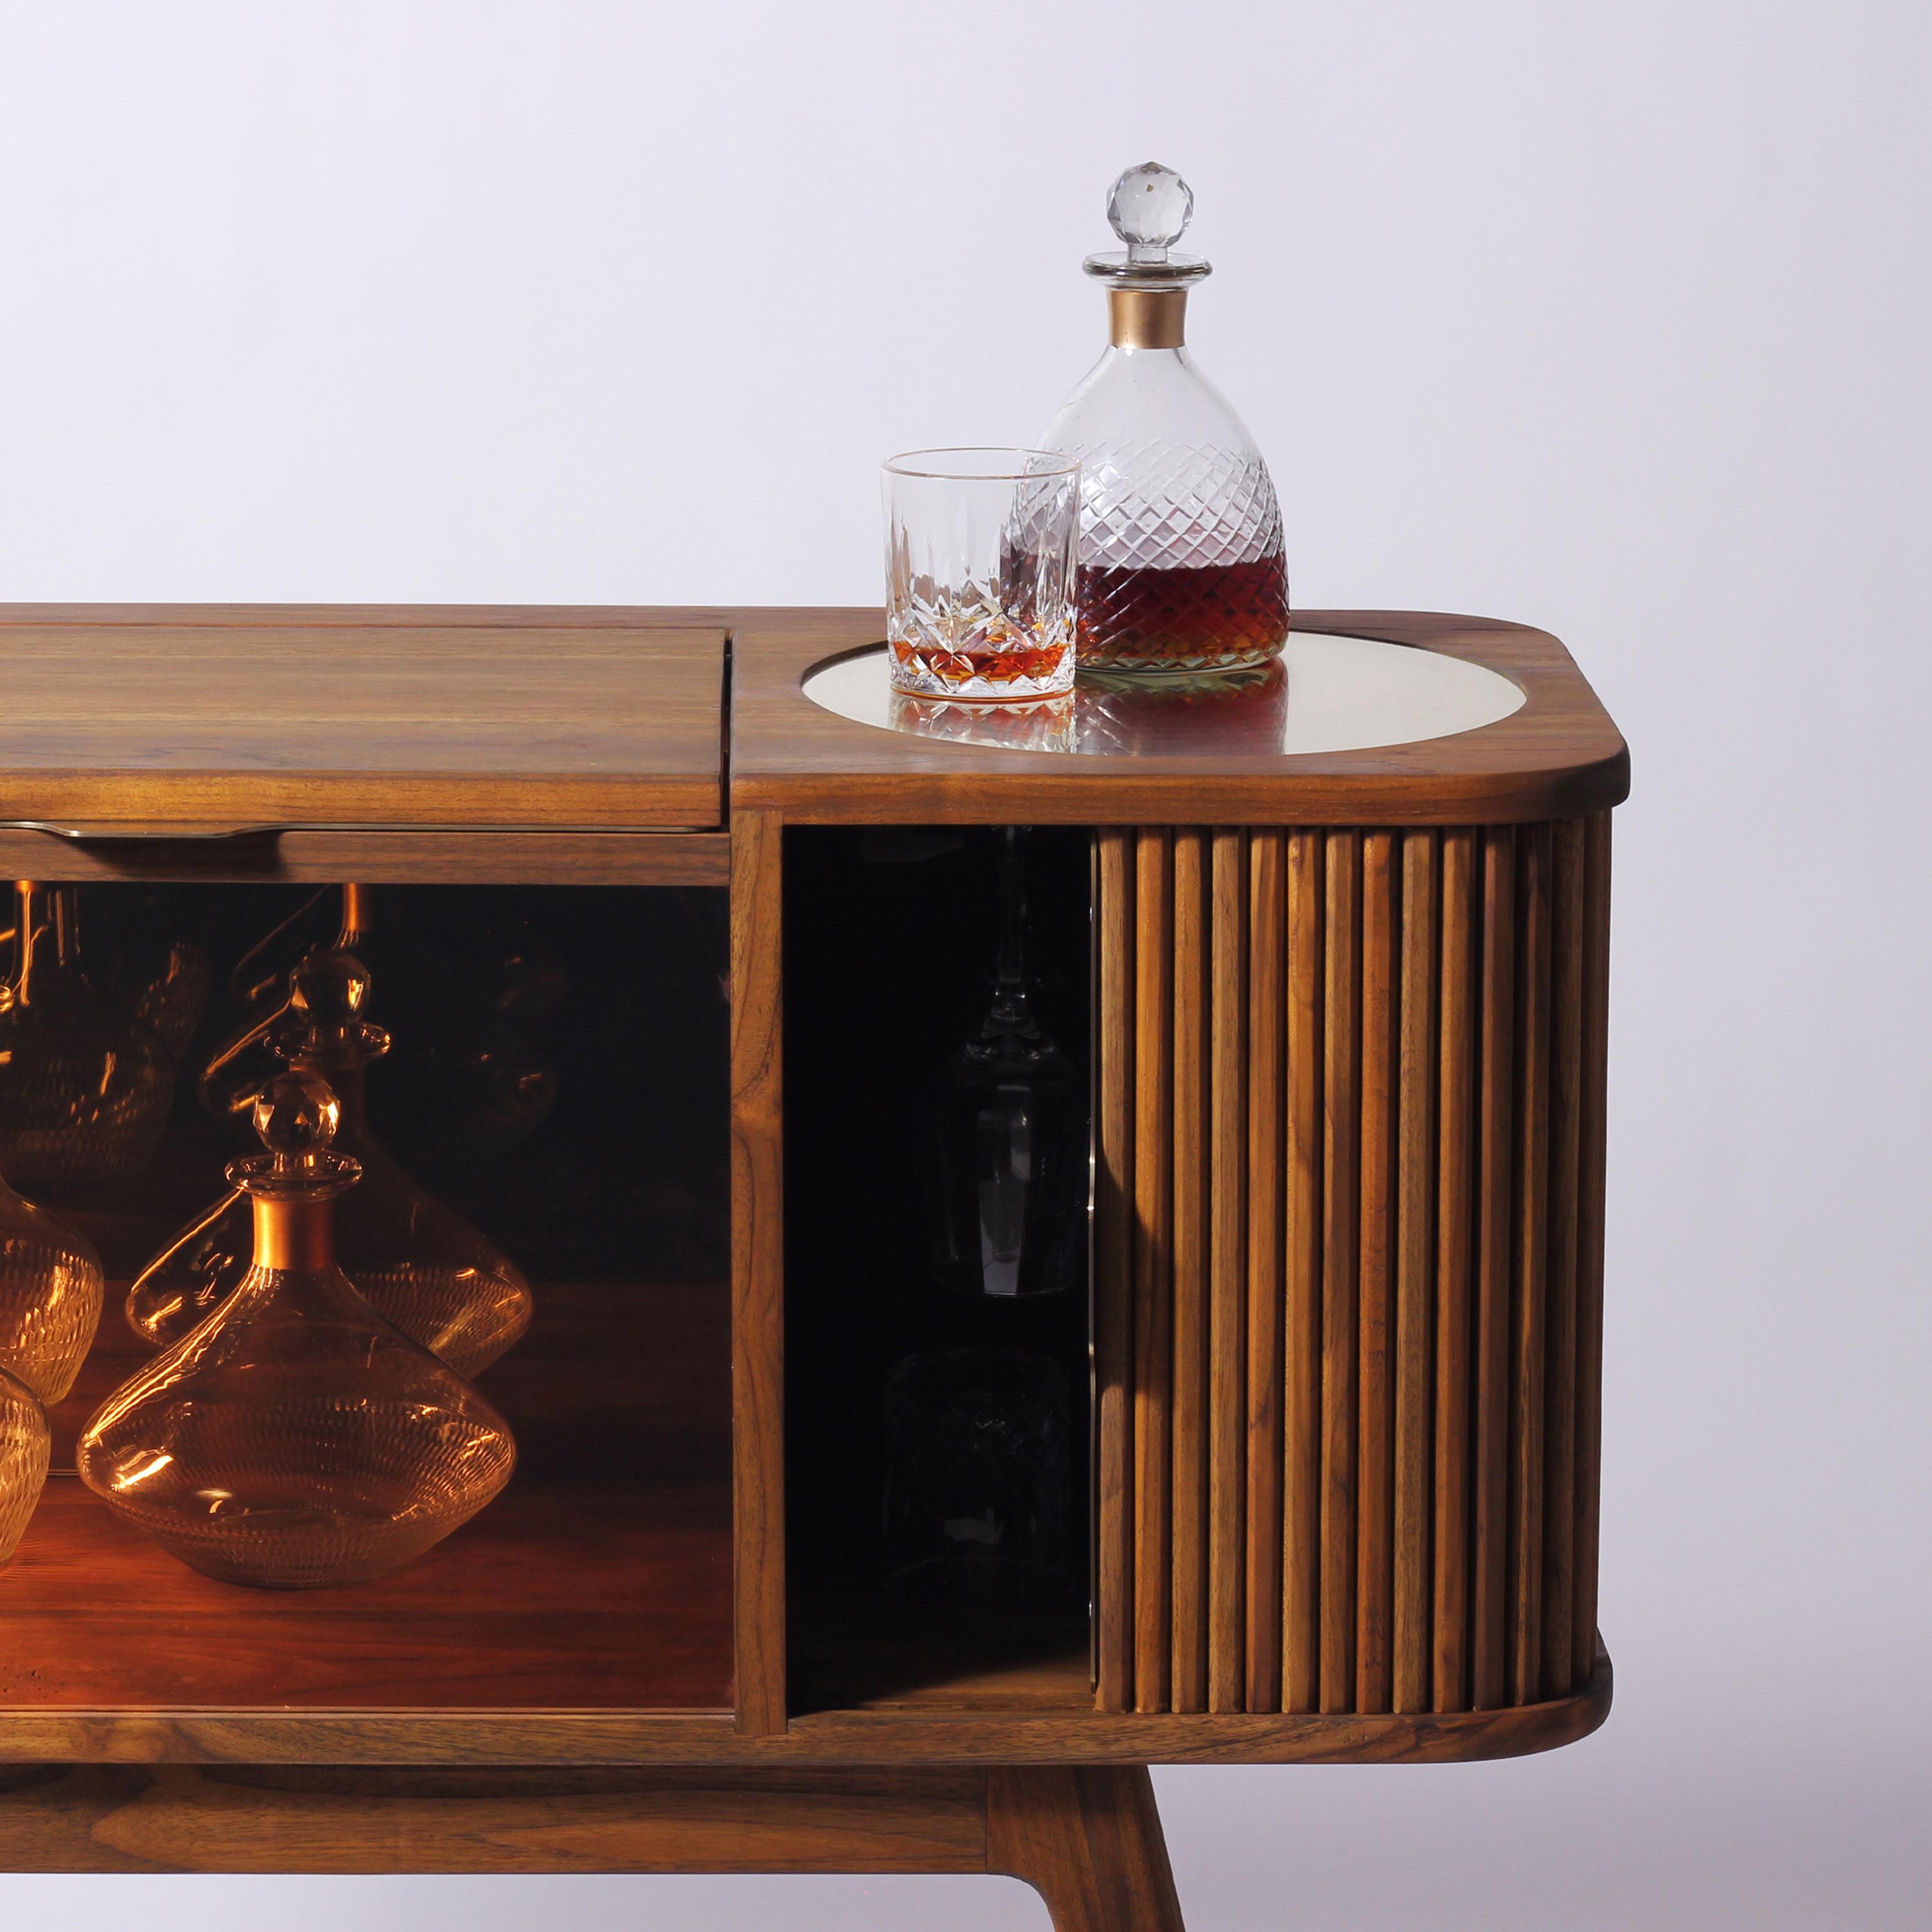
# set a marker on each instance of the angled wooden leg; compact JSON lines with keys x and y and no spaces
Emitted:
{"x":1087,"y":1839}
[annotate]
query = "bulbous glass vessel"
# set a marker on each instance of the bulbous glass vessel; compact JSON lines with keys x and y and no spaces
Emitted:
{"x":51,"y":1289}
{"x":295,"y":1439}
{"x":420,"y":1263}
{"x":85,"y":1086}
{"x":25,"y":1446}
{"x":1181,"y":567}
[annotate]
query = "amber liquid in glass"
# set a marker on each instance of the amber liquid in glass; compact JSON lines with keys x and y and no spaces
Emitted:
{"x":1217,"y":617}
{"x":1005,"y":663}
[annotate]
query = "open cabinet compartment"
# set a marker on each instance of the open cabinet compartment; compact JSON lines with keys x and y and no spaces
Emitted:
{"x":601,"y":1579}
{"x":889,"y":941}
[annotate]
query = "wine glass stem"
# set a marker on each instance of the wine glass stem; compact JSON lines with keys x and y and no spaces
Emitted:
{"x":1012,"y":966}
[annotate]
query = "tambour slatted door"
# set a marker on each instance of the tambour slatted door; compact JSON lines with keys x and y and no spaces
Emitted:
{"x":1348,"y":1264}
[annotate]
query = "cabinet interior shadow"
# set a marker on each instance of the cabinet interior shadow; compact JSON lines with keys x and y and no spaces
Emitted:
{"x":890,"y":941}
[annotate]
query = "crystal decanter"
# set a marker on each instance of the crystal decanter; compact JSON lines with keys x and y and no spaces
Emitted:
{"x":25,"y":1447}
{"x":421,"y":1265}
{"x":296,"y":1439}
{"x":1181,"y":567}
{"x":85,"y":1085}
{"x":51,"y":1289}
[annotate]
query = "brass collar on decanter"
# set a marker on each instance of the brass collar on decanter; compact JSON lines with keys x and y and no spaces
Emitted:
{"x":294,"y":1234}
{"x":1147,"y":318}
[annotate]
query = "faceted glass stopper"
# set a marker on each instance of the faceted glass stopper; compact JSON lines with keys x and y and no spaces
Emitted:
{"x":1150,"y":207}
{"x":297,"y":1115}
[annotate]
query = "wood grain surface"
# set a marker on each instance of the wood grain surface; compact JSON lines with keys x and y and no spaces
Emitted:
{"x":757,"y":1268}
{"x":1088,"y":1840}
{"x":238,"y":1734}
{"x":190,"y":724}
{"x":424,"y":856}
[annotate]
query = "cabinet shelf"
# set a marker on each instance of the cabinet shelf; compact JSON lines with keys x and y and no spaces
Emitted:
{"x":560,"y":1596}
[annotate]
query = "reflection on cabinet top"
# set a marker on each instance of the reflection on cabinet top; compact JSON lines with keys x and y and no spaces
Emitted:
{"x":201,"y":719}
{"x":1556,"y":755}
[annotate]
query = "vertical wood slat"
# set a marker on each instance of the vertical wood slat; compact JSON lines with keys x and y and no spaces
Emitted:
{"x":1227,"y":1321}
{"x":757,"y":1270}
{"x":1454,"y":1064}
{"x":1113,"y":1270}
{"x":1189,"y":1409}
{"x":1153,"y":1263}
{"x":1421,"y":1557}
{"x":1268,"y":949}
{"x":1300,"y":1631}
{"x":1590,"y":1158}
{"x":1341,"y":1235}
{"x":1529,"y":1311}
{"x":1489,"y":1647}
{"x":1559,"y":1441}
{"x":1376,"y":1236}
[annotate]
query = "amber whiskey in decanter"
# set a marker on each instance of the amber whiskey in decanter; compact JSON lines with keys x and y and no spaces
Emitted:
{"x":1181,"y":564}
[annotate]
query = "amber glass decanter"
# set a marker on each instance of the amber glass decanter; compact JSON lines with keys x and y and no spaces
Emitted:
{"x":1181,"y":566}
{"x":85,"y":1086}
{"x":421,"y":1265}
{"x":26,"y":1445}
{"x":296,"y":1439}
{"x":51,"y":1290}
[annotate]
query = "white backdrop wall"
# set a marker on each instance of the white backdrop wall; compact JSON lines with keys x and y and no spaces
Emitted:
{"x":1613,"y":317}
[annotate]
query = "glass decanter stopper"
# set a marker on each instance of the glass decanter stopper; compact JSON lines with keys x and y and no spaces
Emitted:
{"x":421,"y":1265}
{"x":1008,"y":1160}
{"x":51,"y":1289}
{"x":85,"y":1086}
{"x":1181,"y":567}
{"x":26,"y":1446}
{"x":296,"y":1439}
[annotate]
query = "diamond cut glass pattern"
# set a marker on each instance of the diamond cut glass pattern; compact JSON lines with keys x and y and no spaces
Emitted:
{"x":1181,"y":567}
{"x":979,"y":572}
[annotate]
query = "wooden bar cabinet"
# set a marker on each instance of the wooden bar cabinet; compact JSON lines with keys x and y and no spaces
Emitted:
{"x":1342,"y":1009}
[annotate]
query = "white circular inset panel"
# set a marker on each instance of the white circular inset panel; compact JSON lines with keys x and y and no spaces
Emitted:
{"x":1325,"y":694}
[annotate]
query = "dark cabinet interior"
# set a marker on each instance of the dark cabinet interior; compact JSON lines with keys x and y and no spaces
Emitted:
{"x":936,"y":1422}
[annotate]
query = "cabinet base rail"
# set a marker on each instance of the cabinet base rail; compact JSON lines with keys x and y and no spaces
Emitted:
{"x":1087,"y":1838}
